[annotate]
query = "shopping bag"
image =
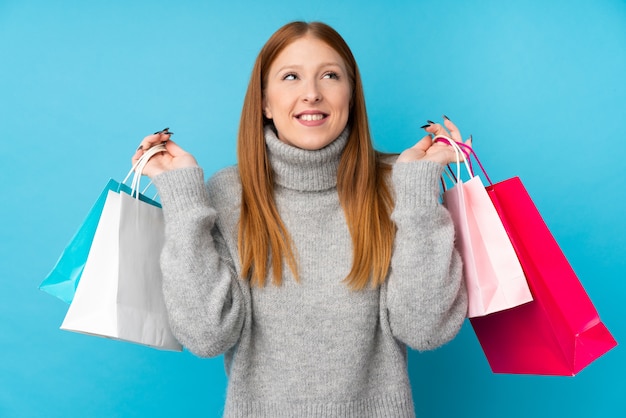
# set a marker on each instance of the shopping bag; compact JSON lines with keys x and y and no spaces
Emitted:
{"x":559,"y":332}
{"x":119,"y":294}
{"x":493,"y":275}
{"x":65,"y":275}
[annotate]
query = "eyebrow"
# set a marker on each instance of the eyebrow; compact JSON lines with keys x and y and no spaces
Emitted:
{"x":324,"y":64}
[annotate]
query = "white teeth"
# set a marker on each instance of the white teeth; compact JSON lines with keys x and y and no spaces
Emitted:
{"x":308,"y":117}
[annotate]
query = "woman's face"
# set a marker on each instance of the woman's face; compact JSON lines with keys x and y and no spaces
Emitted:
{"x":308,"y":94}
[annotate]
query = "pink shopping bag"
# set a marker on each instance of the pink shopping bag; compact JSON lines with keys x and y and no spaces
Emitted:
{"x":493,"y":275}
{"x":559,"y":332}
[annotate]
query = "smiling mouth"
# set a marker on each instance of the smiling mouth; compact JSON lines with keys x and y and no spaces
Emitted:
{"x":312,"y":117}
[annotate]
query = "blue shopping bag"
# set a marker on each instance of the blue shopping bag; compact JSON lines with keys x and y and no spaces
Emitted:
{"x":65,"y":275}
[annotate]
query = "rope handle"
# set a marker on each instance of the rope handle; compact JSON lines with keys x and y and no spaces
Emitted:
{"x":137,"y":170}
{"x":458,"y":151}
{"x":471,"y":151}
{"x":467,"y":151}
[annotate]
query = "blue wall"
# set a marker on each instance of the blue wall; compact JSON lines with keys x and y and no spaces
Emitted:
{"x":540,"y":85}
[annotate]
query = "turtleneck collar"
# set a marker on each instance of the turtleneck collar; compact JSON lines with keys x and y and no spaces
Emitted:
{"x":304,"y":170}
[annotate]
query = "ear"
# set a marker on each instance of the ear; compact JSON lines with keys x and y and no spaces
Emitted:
{"x":266,"y":109}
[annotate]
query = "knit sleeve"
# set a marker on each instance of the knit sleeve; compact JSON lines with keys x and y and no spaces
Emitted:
{"x":425,"y":294}
{"x":200,"y":287}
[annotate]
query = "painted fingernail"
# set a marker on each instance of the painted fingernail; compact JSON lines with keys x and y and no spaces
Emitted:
{"x":424,"y":126}
{"x":445,"y":117}
{"x":471,"y":139}
{"x":430,"y":122}
{"x":140,"y":147}
{"x":168,"y":133}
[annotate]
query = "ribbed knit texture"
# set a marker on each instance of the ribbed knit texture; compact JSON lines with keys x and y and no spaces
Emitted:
{"x":303,"y":170}
{"x":311,"y":348}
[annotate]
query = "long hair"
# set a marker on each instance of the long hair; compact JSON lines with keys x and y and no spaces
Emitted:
{"x":362,"y":185}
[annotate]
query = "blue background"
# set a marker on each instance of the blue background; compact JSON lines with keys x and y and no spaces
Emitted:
{"x":540,"y":85}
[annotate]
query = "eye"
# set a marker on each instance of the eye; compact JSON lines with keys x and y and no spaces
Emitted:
{"x":332,"y":75}
{"x":290,"y":76}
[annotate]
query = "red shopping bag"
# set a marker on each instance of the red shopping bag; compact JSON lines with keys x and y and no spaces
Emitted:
{"x":559,"y":332}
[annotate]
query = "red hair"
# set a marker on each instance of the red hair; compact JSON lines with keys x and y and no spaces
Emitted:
{"x":362,"y":184}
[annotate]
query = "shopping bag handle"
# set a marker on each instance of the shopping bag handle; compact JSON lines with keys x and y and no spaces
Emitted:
{"x":471,"y":151}
{"x":137,"y":170}
{"x":467,"y":151}
{"x":458,"y":151}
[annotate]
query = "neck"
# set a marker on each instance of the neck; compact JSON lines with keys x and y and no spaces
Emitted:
{"x":299,"y":169}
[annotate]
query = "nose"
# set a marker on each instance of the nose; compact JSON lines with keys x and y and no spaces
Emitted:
{"x":312,"y":92}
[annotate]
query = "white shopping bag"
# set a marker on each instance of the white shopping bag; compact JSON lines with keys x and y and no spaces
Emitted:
{"x":120,"y":291}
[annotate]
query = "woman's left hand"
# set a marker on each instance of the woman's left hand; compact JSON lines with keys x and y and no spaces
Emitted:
{"x":439,"y":152}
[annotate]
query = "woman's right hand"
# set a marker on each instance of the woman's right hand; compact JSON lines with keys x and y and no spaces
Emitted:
{"x":174,"y":157}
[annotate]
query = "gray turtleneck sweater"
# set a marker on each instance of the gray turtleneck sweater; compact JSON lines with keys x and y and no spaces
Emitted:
{"x":312,"y":348}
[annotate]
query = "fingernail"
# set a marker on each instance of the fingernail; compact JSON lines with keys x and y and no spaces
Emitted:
{"x":168,"y":133}
{"x":445,"y":117}
{"x":471,"y":139}
{"x":164,"y":142}
{"x":140,"y":147}
{"x":424,"y":126}
{"x":430,"y":122}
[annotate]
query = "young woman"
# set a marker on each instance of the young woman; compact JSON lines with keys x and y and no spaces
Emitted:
{"x":315,"y":261}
